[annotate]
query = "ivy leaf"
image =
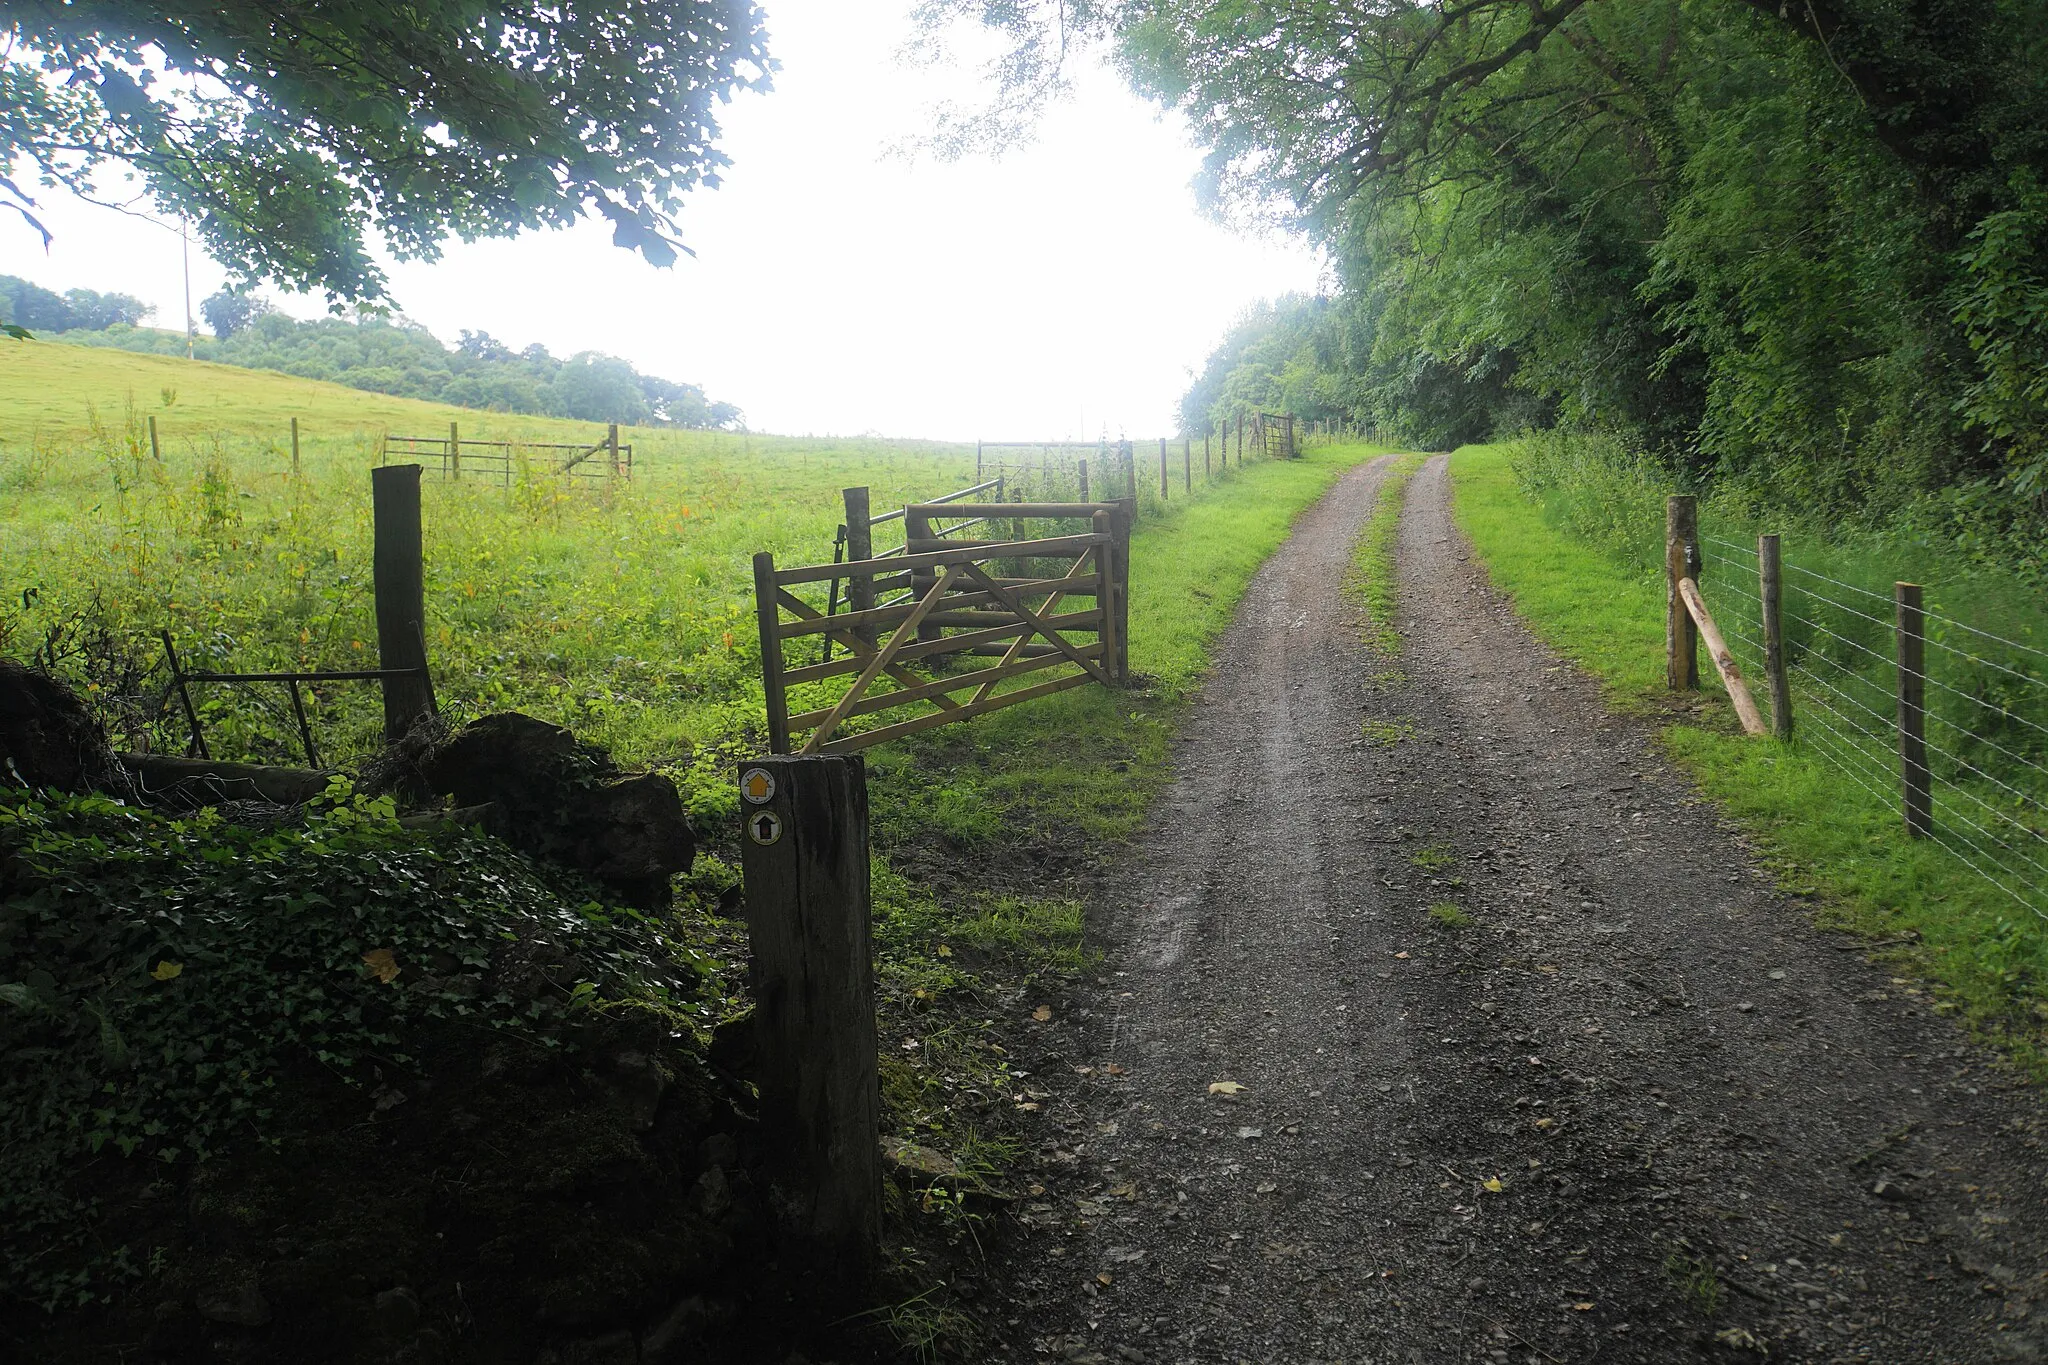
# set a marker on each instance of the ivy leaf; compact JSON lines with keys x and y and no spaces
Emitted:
{"x":166,"y":970}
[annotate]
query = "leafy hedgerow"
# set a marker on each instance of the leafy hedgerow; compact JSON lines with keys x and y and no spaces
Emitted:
{"x":160,"y":979}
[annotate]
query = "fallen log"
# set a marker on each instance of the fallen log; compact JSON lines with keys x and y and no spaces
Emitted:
{"x":190,"y":783}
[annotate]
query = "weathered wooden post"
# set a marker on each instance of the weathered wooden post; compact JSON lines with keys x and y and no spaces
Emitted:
{"x":1162,"y":469}
{"x":804,"y":855}
{"x":398,"y":586}
{"x":1129,"y":455}
{"x":917,"y":537}
{"x":1915,"y":784}
{"x":978,"y":476}
{"x":1119,"y":599}
{"x":860,"y":544}
{"x":295,"y":446}
{"x":1207,"y":471}
{"x":768,"y":621}
{"x":1187,"y":463}
{"x":611,"y":441}
{"x":1770,"y":592}
{"x":1240,"y":440}
{"x":155,"y":451}
{"x":1681,"y":560}
{"x":454,"y":466}
{"x":1082,"y":465}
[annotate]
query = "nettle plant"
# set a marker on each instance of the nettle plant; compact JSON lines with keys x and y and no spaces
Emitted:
{"x":163,"y":981}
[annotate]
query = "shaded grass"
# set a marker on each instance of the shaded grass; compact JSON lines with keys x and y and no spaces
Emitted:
{"x":1821,"y":834}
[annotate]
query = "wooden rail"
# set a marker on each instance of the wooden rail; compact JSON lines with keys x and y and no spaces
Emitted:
{"x":990,"y":594}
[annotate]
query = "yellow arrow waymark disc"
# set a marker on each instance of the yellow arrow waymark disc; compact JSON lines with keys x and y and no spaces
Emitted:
{"x":758,"y":786}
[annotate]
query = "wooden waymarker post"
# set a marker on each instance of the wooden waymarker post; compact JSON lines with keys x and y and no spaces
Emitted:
{"x":398,"y":578}
{"x":1681,"y":561}
{"x":804,"y":853}
{"x":1770,"y":591}
{"x":1915,"y":782}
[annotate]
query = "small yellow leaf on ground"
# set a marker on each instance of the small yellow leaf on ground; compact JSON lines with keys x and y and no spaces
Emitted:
{"x":166,"y":970}
{"x":382,"y":962}
{"x":1104,"y":1279}
{"x":1042,"y":1014}
{"x":1492,"y":1186}
{"x":1224,"y":1088}
{"x":1400,"y":955}
{"x":944,"y":951}
{"x":1582,"y":1308}
{"x":1545,"y":1123}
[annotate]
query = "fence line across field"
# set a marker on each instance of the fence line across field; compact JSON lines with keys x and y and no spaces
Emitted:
{"x":576,"y":459}
{"x":1866,"y":711}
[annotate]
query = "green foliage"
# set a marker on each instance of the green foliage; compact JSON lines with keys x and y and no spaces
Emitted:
{"x":1375,"y":579}
{"x":1449,"y":915}
{"x":290,"y":132}
{"x":31,"y":306}
{"x":405,"y":360}
{"x":164,"y":984}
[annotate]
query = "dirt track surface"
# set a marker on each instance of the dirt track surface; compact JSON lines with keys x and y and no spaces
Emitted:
{"x":1716,"y":1131}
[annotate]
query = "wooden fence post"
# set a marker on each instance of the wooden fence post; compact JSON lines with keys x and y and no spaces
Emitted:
{"x":978,"y":477}
{"x":611,"y":440}
{"x":860,"y":544}
{"x":1207,"y":472}
{"x":917,"y":526}
{"x":1187,"y":463}
{"x":295,"y":446}
{"x":1915,"y":784}
{"x":1770,"y":592}
{"x":398,"y":585}
{"x":1082,"y":465}
{"x":1129,"y":455}
{"x":1681,"y":560}
{"x":1125,"y":513}
{"x":1240,"y":440}
{"x":804,"y":856}
{"x":453,"y":467}
{"x":155,"y":451}
{"x":1162,"y":469}
{"x":768,"y":620}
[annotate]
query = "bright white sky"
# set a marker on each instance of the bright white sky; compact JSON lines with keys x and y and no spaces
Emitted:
{"x":1065,"y":289}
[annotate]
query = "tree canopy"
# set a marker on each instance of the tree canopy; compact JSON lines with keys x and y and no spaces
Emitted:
{"x":1801,"y":247}
{"x":293,"y":131}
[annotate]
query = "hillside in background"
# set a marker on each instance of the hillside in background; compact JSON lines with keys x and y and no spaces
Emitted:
{"x":400,"y":358}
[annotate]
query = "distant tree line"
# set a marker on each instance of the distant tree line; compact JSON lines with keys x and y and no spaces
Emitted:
{"x":399,"y":358}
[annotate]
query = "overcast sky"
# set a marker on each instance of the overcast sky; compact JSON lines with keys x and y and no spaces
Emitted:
{"x":1065,"y":289}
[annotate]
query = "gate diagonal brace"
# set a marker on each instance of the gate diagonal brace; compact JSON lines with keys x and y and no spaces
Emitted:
{"x":906,"y":631}
{"x":859,"y":648}
{"x":1052,"y":603}
{"x":1052,"y":636}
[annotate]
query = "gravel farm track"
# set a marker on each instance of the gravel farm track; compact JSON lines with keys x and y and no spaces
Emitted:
{"x":1638,"y":1110}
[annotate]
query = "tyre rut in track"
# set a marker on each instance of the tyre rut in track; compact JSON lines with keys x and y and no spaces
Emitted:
{"x":1713,"y":1129}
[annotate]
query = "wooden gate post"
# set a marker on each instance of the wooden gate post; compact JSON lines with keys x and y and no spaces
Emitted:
{"x":1123,"y":515}
{"x":917,"y":526}
{"x":804,"y":853}
{"x":611,"y":441}
{"x":860,"y":544}
{"x":1771,"y":593}
{"x":1681,"y":560}
{"x":398,"y":585}
{"x":1915,"y":785}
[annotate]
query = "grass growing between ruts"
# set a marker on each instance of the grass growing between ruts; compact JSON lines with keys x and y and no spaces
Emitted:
{"x":1823,"y":835}
{"x":1373,"y":580}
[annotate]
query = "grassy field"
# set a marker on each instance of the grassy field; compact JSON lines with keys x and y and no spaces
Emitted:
{"x":1582,"y":570}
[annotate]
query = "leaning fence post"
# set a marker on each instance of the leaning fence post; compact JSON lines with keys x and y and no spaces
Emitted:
{"x":1914,"y":780}
{"x":1770,"y":593}
{"x":804,"y":855}
{"x":398,"y":585}
{"x":1681,"y":560}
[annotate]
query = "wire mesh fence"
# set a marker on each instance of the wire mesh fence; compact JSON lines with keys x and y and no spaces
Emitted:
{"x":1983,"y":700}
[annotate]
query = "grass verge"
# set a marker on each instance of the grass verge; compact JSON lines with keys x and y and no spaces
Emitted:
{"x":1823,"y":837}
{"x":1373,"y":577}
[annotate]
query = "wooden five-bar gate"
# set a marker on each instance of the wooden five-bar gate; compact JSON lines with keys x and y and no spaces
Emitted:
{"x":918,"y":624}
